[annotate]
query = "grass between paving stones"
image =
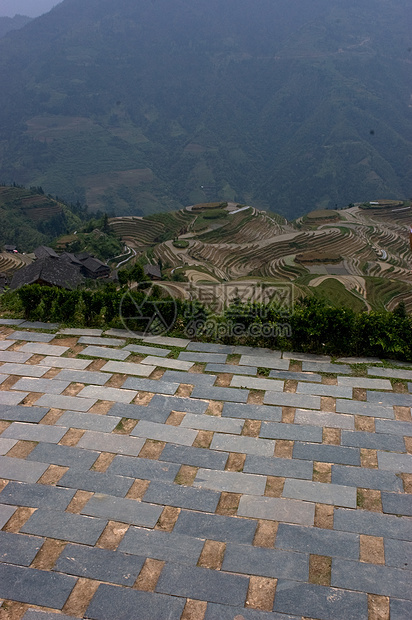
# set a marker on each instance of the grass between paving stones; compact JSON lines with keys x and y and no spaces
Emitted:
{"x":174,"y":352}
{"x":233,"y":358}
{"x":263,"y":372}
{"x":359,"y":370}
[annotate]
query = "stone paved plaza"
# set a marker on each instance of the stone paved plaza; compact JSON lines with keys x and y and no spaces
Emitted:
{"x":163,"y":479}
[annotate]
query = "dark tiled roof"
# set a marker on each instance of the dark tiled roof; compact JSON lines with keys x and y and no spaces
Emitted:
{"x":52,"y":271}
{"x":43,"y":251}
{"x":152,"y":270}
{"x":71,"y":258}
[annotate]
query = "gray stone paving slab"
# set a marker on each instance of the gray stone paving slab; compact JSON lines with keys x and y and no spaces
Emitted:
{"x":335,"y":391}
{"x":322,"y":602}
{"x":66,"y":402}
{"x":371,"y":578}
{"x":396,"y":504}
{"x":320,"y":493}
{"x":231,"y":368}
{"x":36,"y":587}
{"x":39,"y":325}
{"x":145,"y":469}
{"x":356,"y":407}
{"x":3,"y":378}
{"x":139,"y":412}
{"x":19,"y":469}
{"x":150,"y":385}
{"x":121,"y":509}
{"x":181,"y":496}
{"x":212,"y":423}
{"x":366,"y":478}
{"x":66,"y":456}
{"x":279,"y":430}
{"x":88,"y":421}
{"x":34,"y":432}
{"x":15,"y":357}
{"x":192,"y":356}
{"x":389,"y":399}
{"x":391,"y":373}
{"x":203,"y":584}
{"x":39,"y":348}
{"x":215,"y":527}
{"x":118,"y":333}
{"x":64,"y":526}
{"x":400,"y":609}
{"x":324,"y":418}
{"x":82,"y":376}
{"x":75,"y":331}
{"x":244,"y":445}
{"x":102,"y":352}
{"x":372,"y":524}
{"x":112,"y":602}
{"x":266,"y":562}
{"x":326,"y":453}
{"x":395,"y":462}
{"x":36,"y":496}
{"x":65,"y":362}
{"x":295,"y":376}
{"x":188,"y":378}
{"x":111,"y":442}
{"x":215,"y":611}
{"x":5,"y":344}
{"x":257,"y":383}
{"x":230,"y":481}
{"x":178,"y":403}
{"x":277,"y":509}
{"x":318,"y":541}
{"x":207,"y":347}
{"x":275,"y":466}
{"x":30,"y":336}
{"x":18,"y":549}
{"x":255,"y":351}
{"x":359,"y":360}
{"x":365,"y":382}
{"x":142,"y":350}
{"x":25,"y":370}
{"x":100,"y":341}
{"x":12,"y":398}
{"x":167,"y":341}
{"x":287,"y":399}
{"x":11,"y":321}
{"x":374,"y":441}
{"x":100,"y":564}
{"x":197,"y":457}
{"x":33,"y":384}
{"x":128,"y":368}
{"x":151,"y":360}
{"x":161,"y":545}
{"x":220,"y":393}
{"x":398,"y":553}
{"x":311,"y":357}
{"x":6,"y":445}
{"x":340,"y":369}
{"x":394,"y":427}
{"x":164,"y":432}
{"x":6,"y":512}
{"x":264,"y":361}
{"x":252,"y":412}
{"x":97,"y":482}
{"x":101,"y":392}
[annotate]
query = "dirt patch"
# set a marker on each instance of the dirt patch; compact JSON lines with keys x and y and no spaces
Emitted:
{"x":103,"y":461}
{"x":320,"y":569}
{"x":261,"y":593}
{"x":251,"y":428}
{"x":378,"y":607}
{"x":194,"y":610}
{"x":265,"y":534}
{"x":52,"y":475}
{"x":184,"y":390}
{"x":331,"y":436}
{"x":212,"y":555}
{"x":363,"y":423}
{"x":48,"y":554}
{"x":22,"y":449}
{"x":235,"y":462}
{"x":228,"y":503}
{"x":322,"y":472}
{"x":72,"y":437}
{"x":288,"y":415}
{"x":369,"y":458}
{"x":138,"y":489}
{"x":203,"y":439}
{"x":324,"y":516}
{"x":284,"y":448}
{"x":369,"y":499}
{"x":112,"y":535}
{"x":80,"y":597}
{"x":168,"y":519}
{"x":186,"y":475}
{"x":274,"y":486}
{"x":79,"y":501}
{"x":175,"y":418}
{"x":152,"y":449}
{"x":371,"y":549}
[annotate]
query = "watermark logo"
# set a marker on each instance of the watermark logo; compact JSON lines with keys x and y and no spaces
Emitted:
{"x":143,"y":313}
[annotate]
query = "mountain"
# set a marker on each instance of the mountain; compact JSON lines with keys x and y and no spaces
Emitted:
{"x":12,"y":23}
{"x":141,"y":107}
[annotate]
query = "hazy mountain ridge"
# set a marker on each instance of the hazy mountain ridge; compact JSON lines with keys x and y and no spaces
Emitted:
{"x":12,"y":23}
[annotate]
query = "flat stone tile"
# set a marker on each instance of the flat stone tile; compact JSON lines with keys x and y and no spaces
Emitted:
{"x":18,"y":549}
{"x":395,"y":462}
{"x":366,"y":478}
{"x":318,"y":541}
{"x":66,"y":456}
{"x":100,"y":564}
{"x":324,"y":418}
{"x":275,"y":466}
{"x":231,"y":368}
{"x":340,"y":369}
{"x":110,"y":442}
{"x":292,"y":432}
{"x":97,"y":482}
{"x":192,"y":356}
{"x":207,"y":347}
{"x":400,"y":609}
{"x":20,"y":413}
{"x":102,"y":352}
{"x":326,"y":453}
{"x":371,"y":578}
{"x":365,"y":382}
{"x":65,"y":526}
{"x":117,"y":333}
{"x":203,"y":584}
{"x":164,"y":432}
{"x":181,"y":496}
{"x":12,"y":398}
{"x":295,"y":376}
{"x":6,"y":512}
{"x":277,"y":509}
{"x":266,"y":562}
{"x":33,"y":384}
{"x":36,"y":587}
{"x":107,"y":393}
{"x":19,"y":469}
{"x":396,"y":504}
{"x":36,"y":496}
{"x":391,"y":373}
{"x":88,"y":421}
{"x":75,"y":331}
{"x":252,"y":412}
{"x":231,"y":481}
{"x":139,"y":412}
{"x":161,"y":545}
{"x":104,"y":342}
{"x":257,"y":383}
{"x":264,"y":361}
{"x":313,"y":601}
{"x":34,"y":432}
{"x":387,"y":399}
{"x":167,"y":341}
{"x":151,"y":360}
{"x":287,"y":399}
{"x":121,"y":509}
{"x":220,"y":393}
{"x":372,"y":524}
{"x":188,"y":378}
{"x":30,"y":336}
{"x":146,"y":469}
{"x":6,"y":445}
{"x":66,"y":402}
{"x":25,"y":370}
{"x":65,"y":362}
{"x":178,"y":403}
{"x":14,"y":357}
{"x":128,"y":368}
{"x":373,"y":441}
{"x":244,"y":445}
{"x":212,"y":423}
{"x":3,"y":378}
{"x":39,"y":325}
{"x":5,"y":344}
{"x":321,"y":493}
{"x":150,"y":385}
{"x":394,"y":427}
{"x":311,"y":357}
{"x":215,"y":611}
{"x":82,"y":376}
{"x":359,"y":360}
{"x":197,"y":457}
{"x":112,"y":602}
{"x":398,"y":553}
{"x":335,"y":391}
{"x":215,"y":527}
{"x":255,"y":351}
{"x":11,"y":321}
{"x":39,"y":348}
{"x":142,"y":350}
